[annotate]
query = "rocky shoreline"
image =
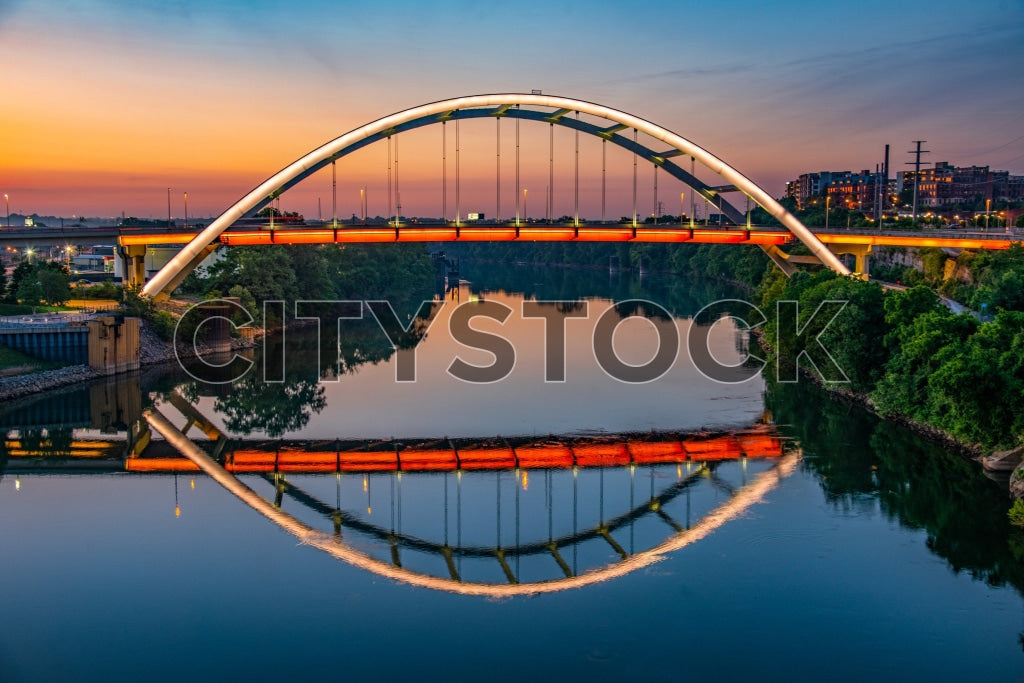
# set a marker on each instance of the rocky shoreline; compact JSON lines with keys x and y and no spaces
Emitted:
{"x":17,"y":386}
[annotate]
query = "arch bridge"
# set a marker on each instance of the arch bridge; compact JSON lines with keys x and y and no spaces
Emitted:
{"x":603,"y":122}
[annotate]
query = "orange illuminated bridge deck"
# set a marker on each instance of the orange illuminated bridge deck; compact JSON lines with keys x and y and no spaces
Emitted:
{"x":501,"y":233}
{"x":547,"y":232}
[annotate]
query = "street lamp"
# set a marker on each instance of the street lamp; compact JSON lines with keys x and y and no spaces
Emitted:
{"x":828,"y":201}
{"x":186,"y":211}
{"x":7,"y":200}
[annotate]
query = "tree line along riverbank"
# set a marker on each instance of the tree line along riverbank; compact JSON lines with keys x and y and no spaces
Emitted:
{"x":904,"y":353}
{"x":252,"y":275}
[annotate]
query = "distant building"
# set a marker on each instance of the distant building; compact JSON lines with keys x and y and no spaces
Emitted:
{"x":793,"y":190}
{"x":812,"y":185}
{"x":946,"y":184}
{"x":854,"y":190}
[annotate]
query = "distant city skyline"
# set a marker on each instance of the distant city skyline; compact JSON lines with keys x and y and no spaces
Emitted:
{"x":108,"y":104}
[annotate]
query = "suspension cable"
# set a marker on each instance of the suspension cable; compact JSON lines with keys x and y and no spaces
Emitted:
{"x":551,"y":173}
{"x":398,"y":193}
{"x":634,"y":178}
{"x":604,"y":164}
{"x":497,"y":175}
{"x":693,"y":193}
{"x":390,"y":196}
{"x":517,"y":166}
{"x":458,"y":205}
{"x":444,"y":171}
{"x":576,"y":179}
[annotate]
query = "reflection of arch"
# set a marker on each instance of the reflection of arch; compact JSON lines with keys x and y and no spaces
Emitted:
{"x":510,"y":105}
{"x":734,"y":507}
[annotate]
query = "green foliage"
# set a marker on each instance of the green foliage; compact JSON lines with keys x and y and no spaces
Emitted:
{"x":934,"y":262}
{"x":47,"y":281}
{"x":30,"y":292}
{"x":14,"y":309}
{"x":163,"y":324}
{"x":963,"y":377}
{"x":20,"y":272}
{"x":853,"y":338}
{"x":103,"y":290}
{"x":903,"y":307}
{"x":55,"y":286}
{"x":996,"y":279}
{"x":136,"y":305}
{"x":1016,"y":513}
{"x":328,"y":272}
{"x":245,"y":297}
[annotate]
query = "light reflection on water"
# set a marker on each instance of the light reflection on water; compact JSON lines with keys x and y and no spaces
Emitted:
{"x":878,"y":555}
{"x":368,"y":402}
{"x":483,"y":544}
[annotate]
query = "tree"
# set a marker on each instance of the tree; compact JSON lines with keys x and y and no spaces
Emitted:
{"x":30,"y":291}
{"x":919,"y":349}
{"x":902,"y":308}
{"x":21,"y":271}
{"x":55,"y":285}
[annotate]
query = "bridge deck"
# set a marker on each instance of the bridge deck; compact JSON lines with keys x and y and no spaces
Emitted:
{"x":545,"y":232}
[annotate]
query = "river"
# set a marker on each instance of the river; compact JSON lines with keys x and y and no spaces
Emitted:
{"x":341,"y":523}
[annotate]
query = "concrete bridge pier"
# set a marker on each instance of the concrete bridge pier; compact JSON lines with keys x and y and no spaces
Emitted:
{"x":134,"y":256}
{"x":787,"y":263}
{"x":860,"y":253}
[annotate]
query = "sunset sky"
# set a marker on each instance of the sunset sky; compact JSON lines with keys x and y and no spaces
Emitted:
{"x":107,"y":104}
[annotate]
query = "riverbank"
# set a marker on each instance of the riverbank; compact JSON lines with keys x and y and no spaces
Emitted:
{"x":17,"y":386}
{"x":152,"y":351}
{"x":863,"y":401}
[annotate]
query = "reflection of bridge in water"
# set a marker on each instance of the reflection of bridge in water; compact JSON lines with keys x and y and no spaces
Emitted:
{"x":460,"y":515}
{"x":556,"y":558}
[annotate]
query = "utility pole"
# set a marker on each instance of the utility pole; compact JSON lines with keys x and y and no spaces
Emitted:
{"x":885,"y":184}
{"x":917,"y":152}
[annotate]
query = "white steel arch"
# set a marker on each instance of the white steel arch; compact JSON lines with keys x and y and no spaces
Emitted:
{"x":195,"y":250}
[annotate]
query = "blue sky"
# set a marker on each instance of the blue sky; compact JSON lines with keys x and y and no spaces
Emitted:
{"x":216,"y":95}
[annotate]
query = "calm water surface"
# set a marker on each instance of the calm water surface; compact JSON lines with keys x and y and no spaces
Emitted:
{"x":840,"y":547}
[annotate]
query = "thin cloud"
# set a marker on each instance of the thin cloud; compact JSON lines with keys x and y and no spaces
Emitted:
{"x":699,"y":72}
